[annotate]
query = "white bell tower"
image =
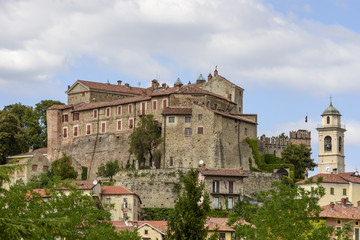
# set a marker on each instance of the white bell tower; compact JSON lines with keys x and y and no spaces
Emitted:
{"x":331,"y":142}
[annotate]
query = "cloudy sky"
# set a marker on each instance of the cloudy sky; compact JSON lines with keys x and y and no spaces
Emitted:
{"x":289,"y":55}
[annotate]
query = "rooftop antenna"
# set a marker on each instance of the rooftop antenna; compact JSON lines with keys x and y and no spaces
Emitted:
{"x":139,"y":83}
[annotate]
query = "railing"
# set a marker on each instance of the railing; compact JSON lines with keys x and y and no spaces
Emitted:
{"x":330,"y":125}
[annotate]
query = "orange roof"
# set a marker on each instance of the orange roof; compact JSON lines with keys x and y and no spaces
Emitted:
{"x":340,"y":211}
{"x":43,"y":193}
{"x":220,"y":223}
{"x":115,"y":190}
{"x":230,"y":172}
{"x":59,"y":107}
{"x":177,"y":111}
{"x":32,"y":153}
{"x":112,"y":87}
{"x":121,"y":225}
{"x":341,"y":178}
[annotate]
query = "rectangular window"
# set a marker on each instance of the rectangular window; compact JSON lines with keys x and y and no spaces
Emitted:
{"x":332,"y":191}
{"x":125,"y":216}
{"x":119,"y":110}
{"x":187,"y":132}
{"x":119,"y":126}
{"x":200,"y":117}
{"x":88,"y":129}
{"x":76,"y":116}
{"x":83,"y":94}
{"x":34,"y":168}
{"x":216,"y":202}
{"x":108,"y":200}
{"x":125,"y":203}
{"x":164,"y":103}
{"x":171,"y":161}
{"x":171,"y":119}
{"x":245,"y":131}
{"x":187,"y":119}
{"x":231,"y":187}
{"x":230,"y":203}
{"x":103,"y":127}
{"x":154,"y":105}
{"x":216,"y":186}
{"x":108,"y":112}
{"x":235,"y":129}
{"x":75,"y":131}
{"x":95,"y":113}
{"x":45,"y":168}
{"x":130,"y":108}
{"x":146,"y":232}
{"x":143,"y":108}
{"x":65,"y":118}
{"x":200,"y":130}
{"x":222,"y":236}
{"x":131,"y":123}
{"x":338,"y":228}
{"x":344,"y":191}
{"x":65,"y":132}
{"x":356,"y":234}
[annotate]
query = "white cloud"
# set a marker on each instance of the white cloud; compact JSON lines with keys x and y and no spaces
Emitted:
{"x":352,"y":133}
{"x":247,"y":39}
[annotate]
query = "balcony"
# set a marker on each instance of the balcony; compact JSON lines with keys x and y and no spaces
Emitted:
{"x":343,"y":126}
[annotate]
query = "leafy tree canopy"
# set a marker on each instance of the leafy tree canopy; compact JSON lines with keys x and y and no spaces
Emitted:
{"x":109,"y":169}
{"x":300,"y":157}
{"x":145,"y":139}
{"x":62,"y":168}
{"x":13,"y":138}
{"x":287,"y":213}
{"x":191,"y":210}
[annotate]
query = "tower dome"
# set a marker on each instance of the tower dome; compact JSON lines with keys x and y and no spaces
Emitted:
{"x":331,"y":110}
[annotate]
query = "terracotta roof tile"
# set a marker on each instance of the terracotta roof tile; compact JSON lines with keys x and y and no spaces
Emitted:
{"x":327,"y":178}
{"x":340,"y":211}
{"x":231,"y":172}
{"x":350,"y":176}
{"x":115,"y":190}
{"x":177,"y":111}
{"x":112,"y":87}
{"x":59,"y":107}
{"x":32,"y":153}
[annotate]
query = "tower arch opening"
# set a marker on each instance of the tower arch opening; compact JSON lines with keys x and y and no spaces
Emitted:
{"x":327,"y":144}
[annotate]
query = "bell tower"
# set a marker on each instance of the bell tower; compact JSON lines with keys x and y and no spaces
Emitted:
{"x":331,"y":142}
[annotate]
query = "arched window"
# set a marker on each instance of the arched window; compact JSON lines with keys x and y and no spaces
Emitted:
{"x":340,"y":144}
{"x":328,"y":120}
{"x":327,"y":143}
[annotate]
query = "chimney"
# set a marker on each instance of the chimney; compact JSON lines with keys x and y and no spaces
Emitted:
{"x":210,"y":77}
{"x":332,"y":206}
{"x":216,"y":71}
{"x":127,"y":85}
{"x":119,"y":82}
{"x":343,"y":202}
{"x":135,"y":223}
{"x":163,"y":86}
{"x":155,"y":84}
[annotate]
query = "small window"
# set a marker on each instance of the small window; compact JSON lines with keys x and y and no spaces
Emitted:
{"x":338,"y":228}
{"x":222,"y":236}
{"x":332,"y":191}
{"x":200,"y":130}
{"x":187,"y":119}
{"x":130,"y":108}
{"x":328,"y":120}
{"x":103,"y":127}
{"x":131,"y":123}
{"x":119,"y":110}
{"x":216,"y":186}
{"x":88,"y":129}
{"x":216,"y":203}
{"x":230,"y":203}
{"x":200,"y":117}
{"x":146,"y":232}
{"x":65,"y":132}
{"x":164,"y":103}
{"x":65,"y":118}
{"x":215,"y":106}
{"x":45,"y":168}
{"x":187,"y":132}
{"x":327,"y":143}
{"x":76,"y":116}
{"x":231,"y":187}
{"x":171,"y":161}
{"x":107,"y":112}
{"x":83,"y":94}
{"x":344,"y":191}
{"x":239,"y":109}
{"x":171,"y":119}
{"x":119,"y":126}
{"x":208,"y":104}
{"x":75,"y":131}
{"x":235,"y":129}
{"x":34,"y":168}
{"x":95,"y":113}
{"x":125,"y":216}
{"x":338,"y":221}
{"x":154,"y":105}
{"x":356,"y":223}
{"x":108,"y":200}
{"x":196,"y":102}
{"x":245,"y":131}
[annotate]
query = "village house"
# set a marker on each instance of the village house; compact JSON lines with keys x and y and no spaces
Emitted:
{"x":198,"y":121}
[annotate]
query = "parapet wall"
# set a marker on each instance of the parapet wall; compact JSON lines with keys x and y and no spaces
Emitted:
{"x":258,"y":181}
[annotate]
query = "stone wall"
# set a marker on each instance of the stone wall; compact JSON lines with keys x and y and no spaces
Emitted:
{"x":258,"y":181}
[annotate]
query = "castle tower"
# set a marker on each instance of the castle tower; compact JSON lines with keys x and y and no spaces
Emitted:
{"x":331,"y":142}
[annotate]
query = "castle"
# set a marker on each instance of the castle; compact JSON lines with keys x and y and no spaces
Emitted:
{"x":199,"y":121}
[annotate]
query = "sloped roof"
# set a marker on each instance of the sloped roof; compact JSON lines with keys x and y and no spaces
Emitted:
{"x":340,"y":211}
{"x":59,"y":107}
{"x":229,"y":115}
{"x":222,"y":78}
{"x":30,"y":154}
{"x":177,"y":111}
{"x":111,"y":87}
{"x":341,"y":178}
{"x":115,"y":190}
{"x":229,"y":172}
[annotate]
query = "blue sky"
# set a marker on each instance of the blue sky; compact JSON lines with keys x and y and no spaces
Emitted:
{"x":290,"y":56}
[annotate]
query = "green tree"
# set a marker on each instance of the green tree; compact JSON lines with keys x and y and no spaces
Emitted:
{"x":300,"y":157}
{"x":13,"y":139}
{"x":131,"y":235}
{"x":287,"y":213}
{"x":145,"y":139}
{"x":40,"y":111}
{"x":62,"y":168}
{"x":192,"y":207}
{"x":109,"y":169}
